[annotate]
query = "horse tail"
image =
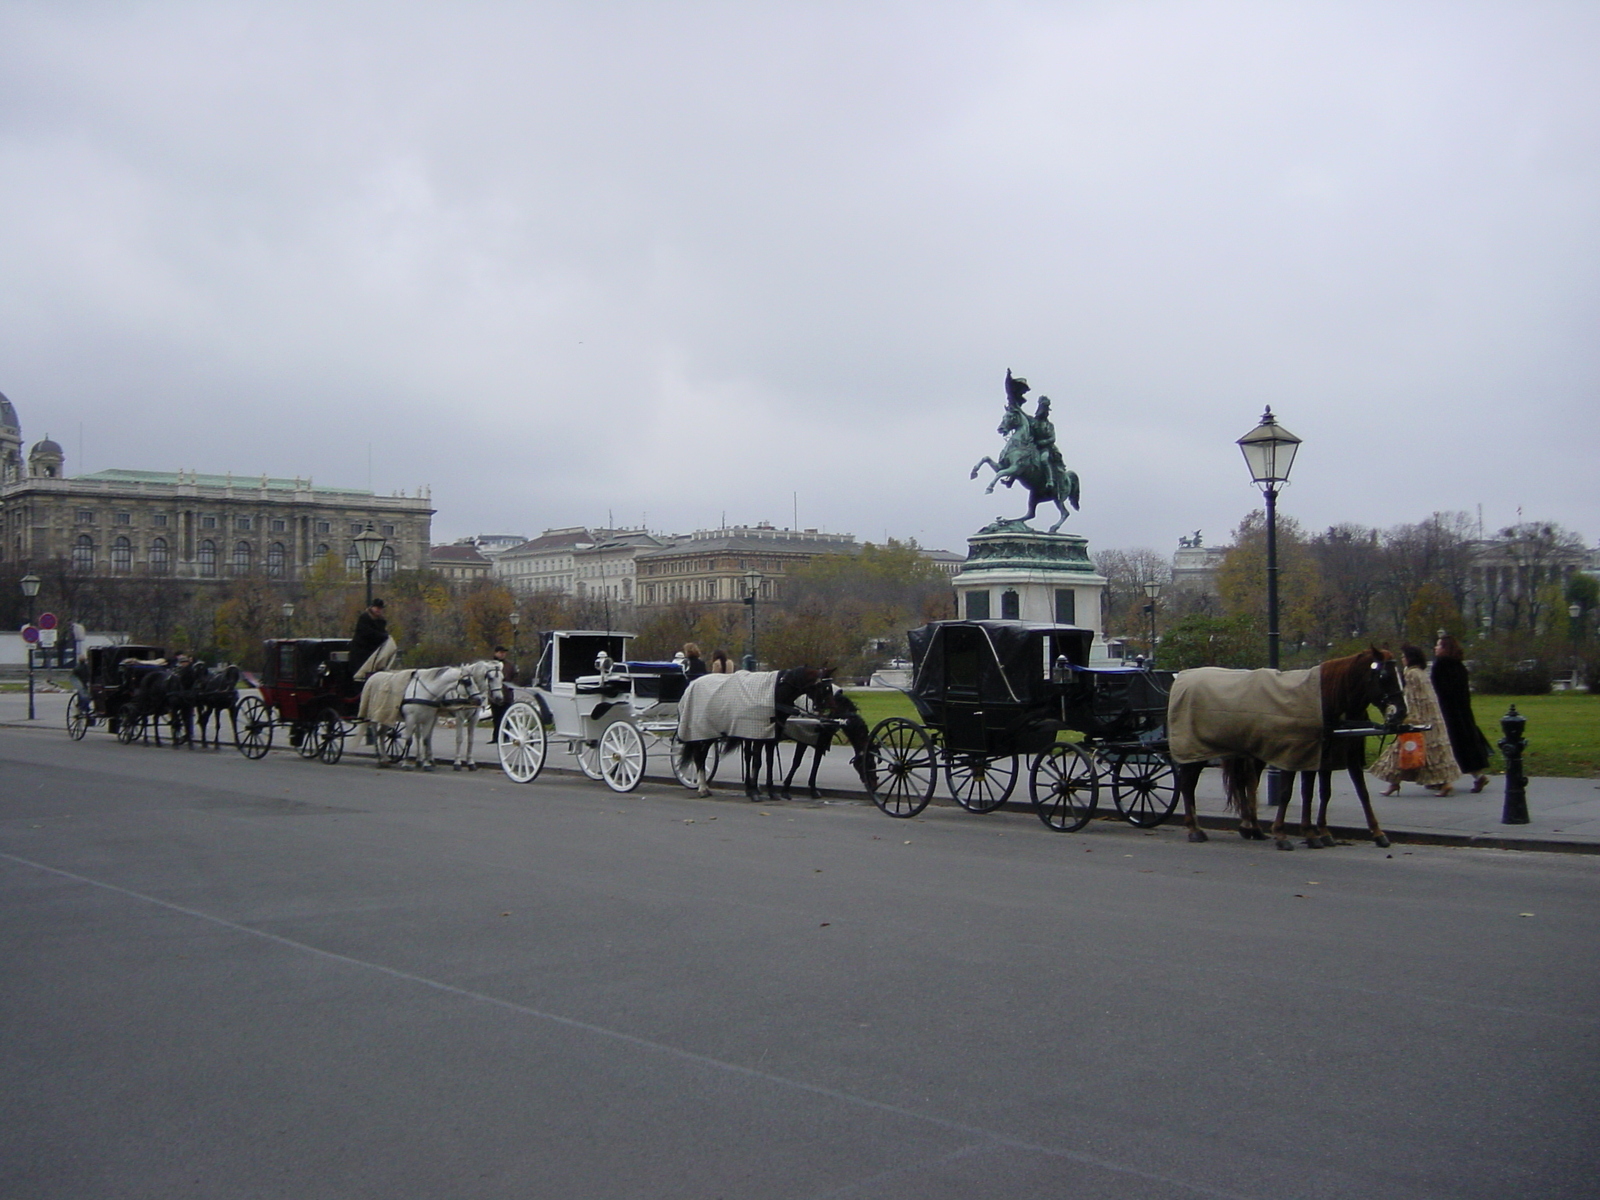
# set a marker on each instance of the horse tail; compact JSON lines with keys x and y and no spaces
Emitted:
{"x":1240,"y":775}
{"x":1072,"y":488}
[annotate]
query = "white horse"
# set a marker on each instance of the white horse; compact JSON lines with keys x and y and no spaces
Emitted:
{"x":460,"y":690}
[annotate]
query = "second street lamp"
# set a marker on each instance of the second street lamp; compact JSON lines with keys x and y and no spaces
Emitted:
{"x":30,"y":589}
{"x":1153,"y":591}
{"x":515,"y":618}
{"x":1269,"y":451}
{"x":288,"y":618}
{"x":752,"y":582}
{"x":369,"y":549}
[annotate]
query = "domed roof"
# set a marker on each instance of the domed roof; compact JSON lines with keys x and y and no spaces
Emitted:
{"x":47,"y":447}
{"x":8,"y":415}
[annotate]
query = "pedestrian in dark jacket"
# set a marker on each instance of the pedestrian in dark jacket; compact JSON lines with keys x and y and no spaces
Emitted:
{"x":693,"y":665}
{"x":1450,"y":684}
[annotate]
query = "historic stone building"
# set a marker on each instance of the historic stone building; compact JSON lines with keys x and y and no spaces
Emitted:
{"x":186,"y":525}
{"x":710,"y":566}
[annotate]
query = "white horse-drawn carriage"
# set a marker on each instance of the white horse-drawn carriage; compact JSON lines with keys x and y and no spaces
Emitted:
{"x":606,"y":709}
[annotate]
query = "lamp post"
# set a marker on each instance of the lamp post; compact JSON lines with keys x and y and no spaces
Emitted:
{"x":30,"y":589}
{"x":1153,"y":591}
{"x":515,"y":618}
{"x":1269,"y":451}
{"x":369,"y":548}
{"x":288,"y":618}
{"x":752,"y":588}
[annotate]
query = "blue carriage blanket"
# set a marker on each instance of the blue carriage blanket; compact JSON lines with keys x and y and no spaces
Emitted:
{"x":1275,"y":716}
{"x":740,"y":705}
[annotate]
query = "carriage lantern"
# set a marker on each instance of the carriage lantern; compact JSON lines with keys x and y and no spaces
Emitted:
{"x":369,"y":548}
{"x":30,"y":589}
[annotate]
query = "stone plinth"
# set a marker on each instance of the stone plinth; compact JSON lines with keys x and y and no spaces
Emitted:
{"x":1028,"y":576}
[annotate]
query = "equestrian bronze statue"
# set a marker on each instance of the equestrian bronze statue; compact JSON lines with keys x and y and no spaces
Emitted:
{"x":1030,"y":457}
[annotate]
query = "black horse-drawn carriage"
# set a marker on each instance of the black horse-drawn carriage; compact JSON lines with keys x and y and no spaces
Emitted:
{"x":308,"y":689}
{"x":994,"y":696}
{"x":107,"y":683}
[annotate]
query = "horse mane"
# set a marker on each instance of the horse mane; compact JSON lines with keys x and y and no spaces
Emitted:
{"x":1343,"y":696}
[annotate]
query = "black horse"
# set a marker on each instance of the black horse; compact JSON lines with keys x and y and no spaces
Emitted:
{"x":807,"y":691}
{"x":216,"y":692}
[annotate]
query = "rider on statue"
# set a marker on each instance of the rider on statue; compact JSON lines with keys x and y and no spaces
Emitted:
{"x":1031,"y":456}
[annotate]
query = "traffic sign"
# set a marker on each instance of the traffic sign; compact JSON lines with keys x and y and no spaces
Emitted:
{"x":30,"y":634}
{"x":47,"y":621}
{"x":47,"y":638}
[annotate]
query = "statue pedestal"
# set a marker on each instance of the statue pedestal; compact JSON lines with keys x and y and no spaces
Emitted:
{"x":1022,"y":575}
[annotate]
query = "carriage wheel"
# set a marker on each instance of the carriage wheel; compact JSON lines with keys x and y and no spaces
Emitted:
{"x":304,"y":737}
{"x":1144,"y":787}
{"x":979,"y":784}
{"x":329,"y":736}
{"x":622,"y":756}
{"x":908,"y":768}
{"x":391,"y":742}
{"x":522,"y":743}
{"x":687,"y":777}
{"x":130,"y":724}
{"x":252,"y":728}
{"x":1064,"y":788}
{"x":77,"y":719}
{"x":588,"y":756}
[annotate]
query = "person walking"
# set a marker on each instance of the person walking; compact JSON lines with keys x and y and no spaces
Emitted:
{"x":1451,"y":684}
{"x":1438,"y":770}
{"x":693,"y":665}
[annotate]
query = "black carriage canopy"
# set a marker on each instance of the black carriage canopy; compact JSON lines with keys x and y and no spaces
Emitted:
{"x":997,"y":662}
{"x":295,"y":662}
{"x":105,"y":662}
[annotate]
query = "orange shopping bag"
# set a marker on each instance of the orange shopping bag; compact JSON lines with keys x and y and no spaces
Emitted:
{"x":1413,"y":752}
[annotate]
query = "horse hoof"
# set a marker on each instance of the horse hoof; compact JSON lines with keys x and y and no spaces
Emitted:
{"x":1283,"y":843}
{"x":1382,"y":841}
{"x":455,"y":766}
{"x":704,"y":793}
{"x":472,"y":766}
{"x":1326,"y":841}
{"x":1198,"y":835}
{"x":428,"y":768}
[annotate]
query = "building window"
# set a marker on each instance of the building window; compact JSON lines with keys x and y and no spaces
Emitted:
{"x":83,"y":553}
{"x":159,"y":520}
{"x":121,"y":556}
{"x":208,"y":522}
{"x":386,"y":564}
{"x":207,"y":558}
{"x":1010,"y":605}
{"x":242,"y":524}
{"x":158,"y":557}
{"x":278,"y":525}
{"x":1066,"y":606}
{"x":356,"y":527}
{"x":86,"y":516}
{"x":324,"y":527}
{"x":322,"y":550}
{"x":352,"y":560}
{"x":122,"y":519}
{"x":388,"y":531}
{"x":275,"y":560}
{"x":977,"y":606}
{"x":241,"y":558}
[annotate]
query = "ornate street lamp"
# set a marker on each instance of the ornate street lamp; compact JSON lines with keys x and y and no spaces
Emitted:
{"x":515,"y":618}
{"x":30,"y":589}
{"x":1153,"y":591}
{"x":369,"y":549}
{"x":288,"y":618}
{"x":1269,"y":451}
{"x":752,"y":589}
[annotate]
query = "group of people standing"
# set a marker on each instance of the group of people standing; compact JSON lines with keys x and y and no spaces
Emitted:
{"x":1441,"y":699}
{"x":694,"y":666}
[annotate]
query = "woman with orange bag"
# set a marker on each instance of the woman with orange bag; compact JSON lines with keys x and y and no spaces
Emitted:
{"x":1425,"y":757}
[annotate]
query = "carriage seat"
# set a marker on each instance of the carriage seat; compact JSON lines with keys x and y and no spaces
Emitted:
{"x":611,"y":686}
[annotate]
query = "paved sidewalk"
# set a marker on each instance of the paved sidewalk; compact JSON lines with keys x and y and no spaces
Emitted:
{"x":1564,"y":814}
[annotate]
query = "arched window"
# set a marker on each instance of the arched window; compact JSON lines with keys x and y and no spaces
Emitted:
{"x":83,"y":553}
{"x":207,"y":558}
{"x":275,"y":560}
{"x":158,"y":557}
{"x":241,"y":558}
{"x":352,"y":561}
{"x":1010,"y":605}
{"x":121,"y":556}
{"x":386,"y":564}
{"x":322,"y":551}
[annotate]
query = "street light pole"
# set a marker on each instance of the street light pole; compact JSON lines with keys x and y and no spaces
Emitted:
{"x":288,"y":618}
{"x":369,"y":549}
{"x":515,"y":618}
{"x":752,"y":581}
{"x":1153,"y":591}
{"x":30,"y":589}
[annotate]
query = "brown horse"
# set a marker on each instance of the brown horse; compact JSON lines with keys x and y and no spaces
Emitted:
{"x":1347,"y":687}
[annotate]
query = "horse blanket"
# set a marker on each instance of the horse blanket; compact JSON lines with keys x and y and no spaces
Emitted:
{"x":381,"y":696}
{"x":741,"y":705}
{"x":1275,"y":716}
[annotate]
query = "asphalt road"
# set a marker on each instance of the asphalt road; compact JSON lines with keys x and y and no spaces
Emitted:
{"x":281,"y":979}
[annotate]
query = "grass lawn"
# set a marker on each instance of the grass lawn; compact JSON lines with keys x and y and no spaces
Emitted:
{"x":1563,"y":728}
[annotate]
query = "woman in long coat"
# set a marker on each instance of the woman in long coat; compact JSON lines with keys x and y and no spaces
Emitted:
{"x":1439,"y":770}
{"x":1455,"y":703}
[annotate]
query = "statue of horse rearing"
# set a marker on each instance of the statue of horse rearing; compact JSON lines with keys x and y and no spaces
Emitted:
{"x":1024,"y":461}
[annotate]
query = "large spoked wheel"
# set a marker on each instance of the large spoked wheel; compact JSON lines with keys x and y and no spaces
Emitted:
{"x":687,"y":777}
{"x":622,"y":756}
{"x":329,"y":736}
{"x":130,"y":724}
{"x":392,"y":742}
{"x":588,"y":756}
{"x":77,"y":719}
{"x":303,"y":737}
{"x":1144,"y":787}
{"x":252,"y":728}
{"x":979,"y":784}
{"x":1064,"y":788}
{"x":522,"y":743}
{"x":908,"y":768}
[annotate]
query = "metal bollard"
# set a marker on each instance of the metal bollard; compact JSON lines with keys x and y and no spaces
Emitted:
{"x":1512,"y":745}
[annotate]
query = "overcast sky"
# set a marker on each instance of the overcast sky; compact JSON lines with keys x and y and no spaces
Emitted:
{"x":677,"y":263}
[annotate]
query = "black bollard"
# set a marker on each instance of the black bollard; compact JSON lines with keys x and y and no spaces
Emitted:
{"x":1512,"y":745}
